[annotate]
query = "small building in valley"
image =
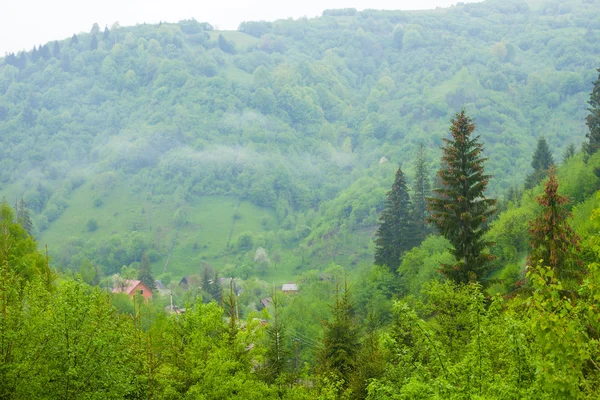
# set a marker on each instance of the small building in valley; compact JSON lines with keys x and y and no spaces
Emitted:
{"x":289,"y":288}
{"x":133,"y":287}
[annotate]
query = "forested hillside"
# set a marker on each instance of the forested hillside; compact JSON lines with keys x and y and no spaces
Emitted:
{"x":430,"y":182}
{"x":198,"y":146}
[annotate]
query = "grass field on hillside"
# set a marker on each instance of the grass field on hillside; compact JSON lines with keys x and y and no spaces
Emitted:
{"x":198,"y":236}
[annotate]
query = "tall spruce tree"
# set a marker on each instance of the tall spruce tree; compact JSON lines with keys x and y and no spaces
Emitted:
{"x":553,"y":242}
{"x":593,"y":119}
{"x":56,"y":50}
{"x":277,"y":353}
{"x":24,"y":216}
{"x":460,"y":210}
{"x":340,"y":338}
{"x":145,"y":272}
{"x":396,"y":233}
{"x":421,"y":190}
{"x":93,"y":43}
{"x":206,"y":283}
{"x":569,"y":152}
{"x":541,"y":162}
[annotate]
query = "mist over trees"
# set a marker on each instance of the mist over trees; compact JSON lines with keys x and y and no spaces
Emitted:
{"x":250,"y":179}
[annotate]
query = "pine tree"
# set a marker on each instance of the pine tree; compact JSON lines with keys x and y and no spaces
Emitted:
{"x":74,"y":39}
{"x":93,"y":43}
{"x":340,"y":339}
{"x":106,"y":33}
{"x":569,"y":152}
{"x":34,"y":54}
{"x":593,"y":119}
{"x":460,"y":210}
{"x":277,"y":353}
{"x":206,"y":282}
{"x":553,"y":242}
{"x":56,"y":50}
{"x":541,"y":162}
{"x":215,"y":288}
{"x":421,"y":189}
{"x":145,"y":272}
{"x":44,"y":52}
{"x":396,"y":233}
{"x":24,"y":216}
{"x":230,"y":304}
{"x":372,"y":363}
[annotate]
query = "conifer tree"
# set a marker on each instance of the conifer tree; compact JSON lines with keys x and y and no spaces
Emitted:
{"x":44,"y":51}
{"x":421,"y":189}
{"x":277,"y":353}
{"x":553,"y":242}
{"x":106,"y":33}
{"x":93,"y":43}
{"x":396,"y":233}
{"x":24,"y":216}
{"x":541,"y":162}
{"x":215,"y":288}
{"x":460,"y":210}
{"x":340,"y":339}
{"x":74,"y":39}
{"x":230,"y":304}
{"x":145,"y":272}
{"x":206,"y":281}
{"x":593,"y":119}
{"x":569,"y":152}
{"x":372,"y":363}
{"x":34,"y":54}
{"x":56,"y":50}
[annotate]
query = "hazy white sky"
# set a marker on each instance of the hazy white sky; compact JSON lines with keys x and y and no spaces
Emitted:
{"x":25,"y":23}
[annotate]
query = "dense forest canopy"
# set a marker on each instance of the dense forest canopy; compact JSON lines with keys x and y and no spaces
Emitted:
{"x":297,"y":117}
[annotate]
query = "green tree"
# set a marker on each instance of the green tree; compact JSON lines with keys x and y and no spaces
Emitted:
{"x":399,"y":38}
{"x":542,"y":160}
{"x":225,"y":45}
{"x":24,"y":216}
{"x":421,"y":190}
{"x":95,"y":29}
{"x":91,"y":225}
{"x":460,"y":210}
{"x":553,"y":242}
{"x":94,"y":43}
{"x":340,"y":339}
{"x":396,"y":233}
{"x":569,"y":152}
{"x":206,"y":283}
{"x":277,"y":352}
{"x":372,"y":363}
{"x":145,"y":272}
{"x":593,"y":119}
{"x":56,"y":50}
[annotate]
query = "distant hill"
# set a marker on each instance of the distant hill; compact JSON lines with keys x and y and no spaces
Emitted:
{"x":199,"y":146}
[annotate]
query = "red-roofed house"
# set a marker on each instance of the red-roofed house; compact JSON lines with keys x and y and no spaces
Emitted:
{"x":133,"y":287}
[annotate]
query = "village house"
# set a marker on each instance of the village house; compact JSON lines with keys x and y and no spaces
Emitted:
{"x":133,"y":287}
{"x":289,"y":288}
